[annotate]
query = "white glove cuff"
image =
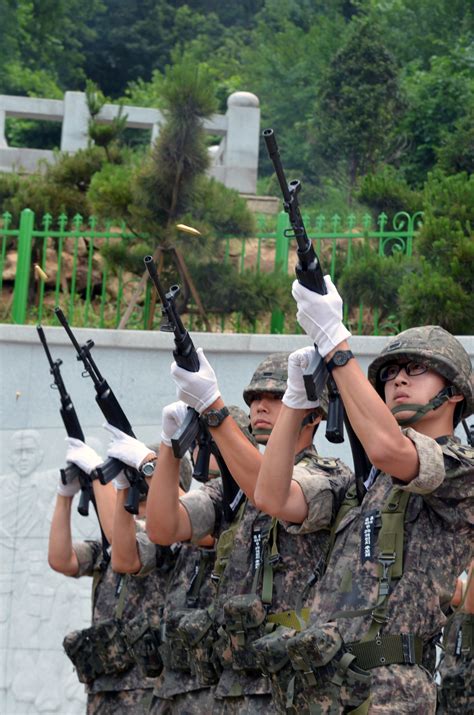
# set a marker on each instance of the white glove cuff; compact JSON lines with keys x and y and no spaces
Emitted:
{"x":328,"y":342}
{"x":121,"y":482}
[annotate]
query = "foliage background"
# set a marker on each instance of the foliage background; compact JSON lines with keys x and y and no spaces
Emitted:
{"x":372,"y":102}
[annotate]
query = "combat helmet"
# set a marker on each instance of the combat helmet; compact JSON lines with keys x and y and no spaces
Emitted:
{"x":443,"y":353}
{"x":270,"y":376}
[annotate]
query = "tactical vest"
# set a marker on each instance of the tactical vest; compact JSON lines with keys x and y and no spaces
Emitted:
{"x":184,"y":634}
{"x":248,"y":617}
{"x":318,"y":666}
{"x":113,"y":646}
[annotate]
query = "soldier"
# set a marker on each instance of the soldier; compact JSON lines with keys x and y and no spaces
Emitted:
{"x":181,"y":689}
{"x":396,"y":555}
{"x":456,"y":689}
{"x":263,"y":575}
{"x":116,"y":680}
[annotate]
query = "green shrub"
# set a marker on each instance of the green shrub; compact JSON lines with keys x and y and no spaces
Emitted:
{"x":429,"y":298}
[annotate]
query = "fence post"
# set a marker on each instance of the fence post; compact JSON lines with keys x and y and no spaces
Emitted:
{"x":23,"y":266}
{"x":281,"y":266}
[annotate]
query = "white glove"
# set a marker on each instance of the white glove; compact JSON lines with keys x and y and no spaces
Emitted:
{"x":69,"y":489}
{"x":295,"y":393}
{"x":320,"y":316}
{"x":172,"y":417}
{"x":196,"y":389}
{"x":121,"y":481}
{"x":127,"y":449}
{"x":81,"y":455}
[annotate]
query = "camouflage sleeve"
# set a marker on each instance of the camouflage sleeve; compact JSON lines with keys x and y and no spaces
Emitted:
{"x":89,"y":554}
{"x":146,"y":551}
{"x":203,"y":505}
{"x":324,"y":492}
{"x":432,"y":471}
{"x":444,"y":480}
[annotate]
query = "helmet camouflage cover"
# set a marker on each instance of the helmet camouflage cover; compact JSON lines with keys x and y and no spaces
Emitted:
{"x":270,"y":376}
{"x":438,"y":349}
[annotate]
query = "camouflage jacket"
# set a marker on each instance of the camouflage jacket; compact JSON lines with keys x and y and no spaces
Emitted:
{"x":438,"y":542}
{"x":145,"y":591}
{"x":456,"y":689}
{"x":183,"y":592}
{"x":299,"y":557}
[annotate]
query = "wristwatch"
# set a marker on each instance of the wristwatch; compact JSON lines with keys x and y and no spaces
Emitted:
{"x":339,"y":359}
{"x":214,"y":418}
{"x":147,"y":468}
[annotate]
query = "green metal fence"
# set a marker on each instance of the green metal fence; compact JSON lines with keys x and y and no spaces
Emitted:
{"x":83,"y":283}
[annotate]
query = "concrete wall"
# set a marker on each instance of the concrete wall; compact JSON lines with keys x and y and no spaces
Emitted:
{"x":234,"y":161}
{"x":38,"y":606}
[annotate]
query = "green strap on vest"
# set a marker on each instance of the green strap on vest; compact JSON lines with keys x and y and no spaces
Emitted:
{"x":387,"y":649}
{"x":271,"y":557}
{"x":192,"y":595}
{"x":225,"y":545}
{"x":350,"y":501}
{"x":290,"y":619}
{"x":122,"y":597}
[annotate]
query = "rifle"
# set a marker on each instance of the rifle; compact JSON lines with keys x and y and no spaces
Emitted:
{"x":309,"y":274}
{"x":469,"y":430}
{"x":113,"y":413}
{"x":73,"y":429}
{"x":193,"y":430}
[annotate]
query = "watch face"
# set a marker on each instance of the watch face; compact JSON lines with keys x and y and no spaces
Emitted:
{"x":340,"y":358}
{"x":213,"y":419}
{"x":148,"y":468}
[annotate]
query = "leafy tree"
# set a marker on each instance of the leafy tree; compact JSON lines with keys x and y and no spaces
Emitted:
{"x":435,"y":108}
{"x":456,"y":153}
{"x":359,"y":103}
{"x":417,"y":30}
{"x":139,"y":39}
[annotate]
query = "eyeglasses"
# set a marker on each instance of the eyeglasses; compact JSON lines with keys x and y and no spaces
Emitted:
{"x":390,"y":372}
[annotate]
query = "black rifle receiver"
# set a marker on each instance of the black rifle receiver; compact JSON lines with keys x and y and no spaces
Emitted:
{"x":193,"y":430}
{"x":113,"y":413}
{"x":72,"y":426}
{"x":184,"y":354}
{"x":309,"y":274}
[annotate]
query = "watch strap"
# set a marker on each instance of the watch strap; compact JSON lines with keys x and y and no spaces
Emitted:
{"x":339,"y":359}
{"x":214,"y":418}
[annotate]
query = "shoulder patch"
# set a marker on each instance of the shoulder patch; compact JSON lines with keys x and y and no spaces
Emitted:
{"x":328,"y":463}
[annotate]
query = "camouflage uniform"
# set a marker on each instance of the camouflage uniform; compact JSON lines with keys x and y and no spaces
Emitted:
{"x":456,"y":690}
{"x":180,"y":691}
{"x":246,"y":690}
{"x":124,"y":692}
{"x":438,"y":542}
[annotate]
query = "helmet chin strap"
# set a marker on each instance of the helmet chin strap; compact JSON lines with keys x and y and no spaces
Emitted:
{"x":421,"y":410}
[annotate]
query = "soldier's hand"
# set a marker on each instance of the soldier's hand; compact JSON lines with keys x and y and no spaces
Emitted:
{"x":295,"y":393}
{"x":69,"y":489}
{"x":126,"y":449}
{"x":196,"y":389}
{"x":82,"y":455}
{"x":172,"y":418}
{"x":320,"y":316}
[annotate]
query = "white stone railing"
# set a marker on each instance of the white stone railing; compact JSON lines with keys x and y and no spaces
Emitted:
{"x":234,"y":161}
